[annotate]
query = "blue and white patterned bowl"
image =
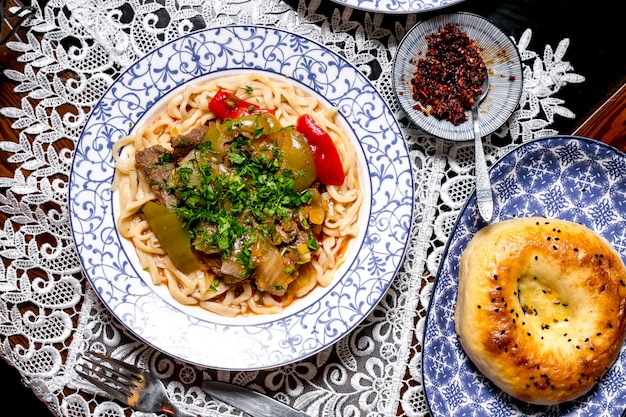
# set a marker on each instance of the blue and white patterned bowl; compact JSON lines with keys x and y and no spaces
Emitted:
{"x":565,"y":177}
{"x":318,"y":320}
{"x":398,"y":6}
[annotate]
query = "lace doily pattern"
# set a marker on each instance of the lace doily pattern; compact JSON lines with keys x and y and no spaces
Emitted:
{"x":48,"y":312}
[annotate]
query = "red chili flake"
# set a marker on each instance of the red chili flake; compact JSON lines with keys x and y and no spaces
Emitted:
{"x":448,"y":78}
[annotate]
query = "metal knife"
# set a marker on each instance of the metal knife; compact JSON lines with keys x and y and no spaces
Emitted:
{"x":249,"y":401}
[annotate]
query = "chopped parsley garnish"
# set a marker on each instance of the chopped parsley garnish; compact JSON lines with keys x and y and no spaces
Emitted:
{"x":231,"y":208}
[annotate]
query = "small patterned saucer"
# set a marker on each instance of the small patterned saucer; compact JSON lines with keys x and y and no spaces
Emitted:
{"x":503,"y":63}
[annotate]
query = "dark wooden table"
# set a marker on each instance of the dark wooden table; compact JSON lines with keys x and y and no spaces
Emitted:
{"x":596,"y":51}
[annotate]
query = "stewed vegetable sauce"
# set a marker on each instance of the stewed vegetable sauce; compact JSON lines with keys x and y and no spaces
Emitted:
{"x":448,"y":78}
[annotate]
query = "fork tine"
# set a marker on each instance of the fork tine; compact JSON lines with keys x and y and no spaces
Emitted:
{"x":120,"y":383}
{"x":114,"y":393}
{"x":132,"y":370}
{"x":113,"y":378}
{"x":128,"y":384}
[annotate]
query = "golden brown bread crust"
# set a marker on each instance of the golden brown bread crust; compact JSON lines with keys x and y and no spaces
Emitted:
{"x":541,"y":307}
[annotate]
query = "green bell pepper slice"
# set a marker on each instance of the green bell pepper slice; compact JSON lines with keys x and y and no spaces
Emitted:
{"x":173,"y":237}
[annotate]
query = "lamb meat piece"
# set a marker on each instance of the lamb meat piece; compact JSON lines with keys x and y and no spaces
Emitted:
{"x":157,"y":163}
{"x":183,"y":144}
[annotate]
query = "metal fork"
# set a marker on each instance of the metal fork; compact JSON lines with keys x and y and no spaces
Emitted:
{"x":128,"y":384}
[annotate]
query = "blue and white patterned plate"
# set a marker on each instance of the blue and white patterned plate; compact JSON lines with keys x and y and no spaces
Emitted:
{"x":566,"y":177}
{"x":309,"y":325}
{"x":398,"y":6}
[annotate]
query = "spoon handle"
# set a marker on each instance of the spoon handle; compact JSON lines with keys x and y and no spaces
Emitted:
{"x":484,"y":197}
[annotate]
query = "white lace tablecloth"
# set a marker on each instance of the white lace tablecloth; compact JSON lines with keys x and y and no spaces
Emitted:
{"x":376,"y":369}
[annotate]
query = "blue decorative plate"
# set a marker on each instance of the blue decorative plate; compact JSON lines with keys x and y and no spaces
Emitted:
{"x":315,"y":321}
{"x":566,"y":177}
{"x":398,"y":6}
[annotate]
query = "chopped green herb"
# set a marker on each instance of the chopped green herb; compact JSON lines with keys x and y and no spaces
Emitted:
{"x":230,"y":209}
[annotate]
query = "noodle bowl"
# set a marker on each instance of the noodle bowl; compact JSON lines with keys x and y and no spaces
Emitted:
{"x":189,"y":110}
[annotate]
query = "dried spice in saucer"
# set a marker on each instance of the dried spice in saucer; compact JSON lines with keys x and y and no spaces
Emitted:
{"x":448,"y":78}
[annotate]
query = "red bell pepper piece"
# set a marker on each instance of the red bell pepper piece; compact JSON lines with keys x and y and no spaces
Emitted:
{"x":327,"y":161}
{"x":225,"y":105}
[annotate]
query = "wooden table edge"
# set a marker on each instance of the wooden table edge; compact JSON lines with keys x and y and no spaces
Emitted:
{"x":608,"y":122}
